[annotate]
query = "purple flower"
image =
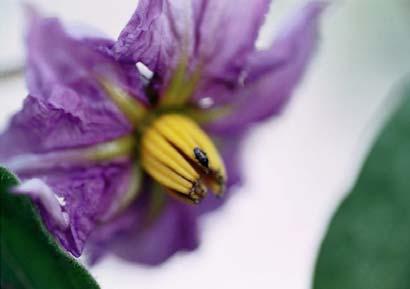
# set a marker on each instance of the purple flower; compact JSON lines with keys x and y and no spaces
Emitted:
{"x":115,"y":141}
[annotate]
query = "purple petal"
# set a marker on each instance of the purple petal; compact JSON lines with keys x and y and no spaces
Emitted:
{"x":45,"y":125}
{"x":225,"y":34}
{"x":85,"y":195}
{"x":272,"y":75}
{"x":57,"y":58}
{"x":218,"y":35}
{"x":67,"y":107}
{"x":174,"y":230}
{"x":134,"y":238}
{"x":153,"y":34}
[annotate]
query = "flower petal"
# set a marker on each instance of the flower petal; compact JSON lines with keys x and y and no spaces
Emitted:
{"x":44,"y":125}
{"x":225,"y":34}
{"x":134,"y":239}
{"x":153,"y":34}
{"x":54,"y":57}
{"x":272,"y":75}
{"x":85,"y":195}
{"x":67,"y":107}
{"x":215,"y":34}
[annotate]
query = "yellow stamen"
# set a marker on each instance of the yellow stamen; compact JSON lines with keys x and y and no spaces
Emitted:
{"x":181,"y":157}
{"x":202,"y":140}
{"x":167,"y":176}
{"x":153,"y":143}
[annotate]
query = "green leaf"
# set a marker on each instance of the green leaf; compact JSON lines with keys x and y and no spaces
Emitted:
{"x":367,"y":245}
{"x":30,"y":258}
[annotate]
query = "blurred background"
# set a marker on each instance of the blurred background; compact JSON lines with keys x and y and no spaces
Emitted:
{"x":298,"y":167}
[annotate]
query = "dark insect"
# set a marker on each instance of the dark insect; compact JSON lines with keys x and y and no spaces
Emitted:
{"x":201,"y":157}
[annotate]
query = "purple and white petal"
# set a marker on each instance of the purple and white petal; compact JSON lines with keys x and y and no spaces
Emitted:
{"x":73,"y":202}
{"x":42,"y":194}
{"x":272,"y":75}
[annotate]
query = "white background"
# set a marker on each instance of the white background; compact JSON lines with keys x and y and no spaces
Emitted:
{"x":298,"y":167}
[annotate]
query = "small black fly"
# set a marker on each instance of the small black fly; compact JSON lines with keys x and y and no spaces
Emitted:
{"x":201,"y":157}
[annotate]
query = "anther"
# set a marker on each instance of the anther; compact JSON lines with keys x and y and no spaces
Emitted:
{"x":180,"y":156}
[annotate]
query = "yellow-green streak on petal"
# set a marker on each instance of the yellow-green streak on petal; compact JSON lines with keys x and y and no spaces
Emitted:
{"x":183,"y":82}
{"x":109,"y":151}
{"x":130,"y":193}
{"x":156,"y":204}
{"x":181,"y":86}
{"x":123,"y":146}
{"x":204,"y":116}
{"x":133,"y":110}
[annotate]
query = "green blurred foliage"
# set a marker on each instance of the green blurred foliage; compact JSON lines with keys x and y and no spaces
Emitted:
{"x":367,"y":245}
{"x":30,"y":258}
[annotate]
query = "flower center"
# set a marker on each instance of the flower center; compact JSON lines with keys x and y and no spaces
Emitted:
{"x":179,"y":155}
